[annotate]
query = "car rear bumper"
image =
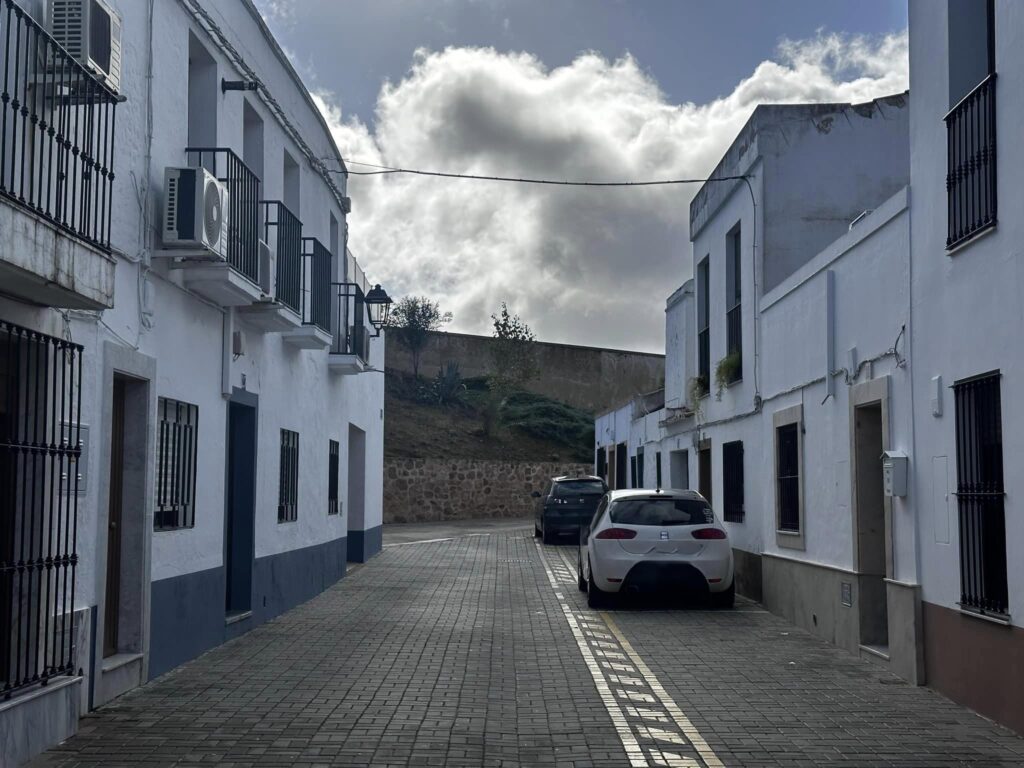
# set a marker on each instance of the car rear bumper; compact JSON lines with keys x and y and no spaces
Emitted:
{"x":566,"y":525}
{"x":711,"y":572}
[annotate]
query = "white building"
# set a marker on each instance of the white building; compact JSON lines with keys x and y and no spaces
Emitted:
{"x":899,"y":337}
{"x":224,"y":388}
{"x":966,"y":69}
{"x":785,"y":375}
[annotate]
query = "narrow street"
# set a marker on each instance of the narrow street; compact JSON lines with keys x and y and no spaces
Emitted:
{"x":478,"y":650}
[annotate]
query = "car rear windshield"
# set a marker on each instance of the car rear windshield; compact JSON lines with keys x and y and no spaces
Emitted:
{"x":567,"y":488}
{"x":657,"y":510}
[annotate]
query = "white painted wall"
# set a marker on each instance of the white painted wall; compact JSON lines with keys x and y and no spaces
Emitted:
{"x":156,"y":315}
{"x":966,"y":306}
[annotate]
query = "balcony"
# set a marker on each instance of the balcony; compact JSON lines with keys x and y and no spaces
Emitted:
{"x":279,"y":307}
{"x":56,"y":171}
{"x":315,"y":287}
{"x":350,"y":349}
{"x":231,"y":280}
{"x":971,"y":164}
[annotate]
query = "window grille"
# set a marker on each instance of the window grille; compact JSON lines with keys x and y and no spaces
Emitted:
{"x":333,"y":464}
{"x":40,"y":447}
{"x":732,"y":481}
{"x":980,"y":494}
{"x":288,"y":493}
{"x":176,"y":452}
{"x":787,"y":468}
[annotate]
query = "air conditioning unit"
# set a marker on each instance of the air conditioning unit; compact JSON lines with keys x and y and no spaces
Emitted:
{"x":196,"y":209}
{"x":268,"y":269}
{"x":90,"y":30}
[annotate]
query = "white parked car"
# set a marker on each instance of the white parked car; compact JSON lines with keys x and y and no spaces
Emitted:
{"x":652,"y":541}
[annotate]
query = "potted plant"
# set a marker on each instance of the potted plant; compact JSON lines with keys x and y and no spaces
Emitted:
{"x":728,"y":371}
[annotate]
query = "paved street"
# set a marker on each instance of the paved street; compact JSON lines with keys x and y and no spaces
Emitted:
{"x":479,"y":651}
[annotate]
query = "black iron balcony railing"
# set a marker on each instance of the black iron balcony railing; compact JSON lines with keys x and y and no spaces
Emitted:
{"x":734,"y":340}
{"x":971,"y":163}
{"x":350,"y":335}
{"x":243,"y":210}
{"x":288,"y":245}
{"x":40,"y":447}
{"x":56,"y":131}
{"x":316,"y":284}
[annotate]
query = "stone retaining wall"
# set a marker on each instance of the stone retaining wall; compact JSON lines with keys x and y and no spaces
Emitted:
{"x":434,"y":490}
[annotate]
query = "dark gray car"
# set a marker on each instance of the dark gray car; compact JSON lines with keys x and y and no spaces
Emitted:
{"x":566,"y":504}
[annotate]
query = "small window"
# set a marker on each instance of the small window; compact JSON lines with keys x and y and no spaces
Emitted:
{"x":333,"y":463}
{"x":787,"y":446}
{"x":732,"y":481}
{"x":288,"y":489}
{"x":176,"y":448}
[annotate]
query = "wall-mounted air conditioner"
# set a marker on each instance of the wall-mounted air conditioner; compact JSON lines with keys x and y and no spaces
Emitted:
{"x":196,"y":209}
{"x":91,"y":32}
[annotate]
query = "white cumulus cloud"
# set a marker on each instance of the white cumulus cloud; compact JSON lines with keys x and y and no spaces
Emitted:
{"x":589,"y":266}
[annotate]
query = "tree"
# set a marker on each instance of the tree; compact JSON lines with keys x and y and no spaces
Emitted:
{"x":412,"y":320}
{"x":513,"y":362}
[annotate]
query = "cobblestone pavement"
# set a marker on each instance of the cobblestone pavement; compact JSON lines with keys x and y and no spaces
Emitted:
{"x":479,"y":651}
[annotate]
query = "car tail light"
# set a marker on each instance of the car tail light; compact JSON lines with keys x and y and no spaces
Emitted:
{"x":616,"y":533}
{"x":709,"y":533}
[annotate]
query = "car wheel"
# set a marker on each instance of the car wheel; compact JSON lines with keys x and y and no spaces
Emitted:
{"x":546,"y":537}
{"x":595,"y":597}
{"x":580,"y":581}
{"x":536,"y":530}
{"x":724,"y":599}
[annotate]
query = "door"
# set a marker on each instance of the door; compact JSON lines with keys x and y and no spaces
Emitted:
{"x":704,"y":471}
{"x":241,"y":502}
{"x":621,"y":466}
{"x":115,"y":519}
{"x":679,"y":469}
{"x":871,"y":527}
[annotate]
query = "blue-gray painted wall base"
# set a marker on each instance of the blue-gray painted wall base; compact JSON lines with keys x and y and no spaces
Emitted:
{"x":187,"y":613}
{"x":362,"y":545}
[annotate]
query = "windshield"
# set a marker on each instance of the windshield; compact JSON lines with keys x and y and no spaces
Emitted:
{"x":569,"y":488}
{"x":657,"y":510}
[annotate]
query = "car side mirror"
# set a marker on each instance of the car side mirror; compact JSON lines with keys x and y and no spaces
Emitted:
{"x":535,"y":494}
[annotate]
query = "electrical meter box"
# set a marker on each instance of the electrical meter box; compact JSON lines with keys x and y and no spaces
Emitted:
{"x":894,"y":473}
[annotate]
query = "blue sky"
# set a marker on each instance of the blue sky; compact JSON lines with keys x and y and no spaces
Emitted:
{"x":570,"y":89}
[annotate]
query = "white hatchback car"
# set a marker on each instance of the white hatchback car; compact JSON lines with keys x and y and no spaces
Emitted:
{"x":651,"y":541}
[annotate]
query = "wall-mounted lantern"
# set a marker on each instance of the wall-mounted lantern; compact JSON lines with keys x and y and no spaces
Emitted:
{"x":378,"y":305}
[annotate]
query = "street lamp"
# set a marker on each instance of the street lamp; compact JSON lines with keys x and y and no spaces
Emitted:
{"x":378,"y":304}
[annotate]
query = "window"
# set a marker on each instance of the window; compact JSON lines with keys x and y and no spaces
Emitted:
{"x":732,"y":481}
{"x":787,"y":473}
{"x":288,"y":490}
{"x":252,"y":139}
{"x":704,"y":469}
{"x":573,"y":489}
{"x":333,"y":463}
{"x":175,"y":465}
{"x":971,"y":121}
{"x":632,"y":472}
{"x":980,"y":492}
{"x":657,"y":468}
{"x":703,"y":329}
{"x":733,"y":305}
{"x":658,"y":510}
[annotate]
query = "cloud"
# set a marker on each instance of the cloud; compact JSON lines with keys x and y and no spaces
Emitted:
{"x":587,"y":266}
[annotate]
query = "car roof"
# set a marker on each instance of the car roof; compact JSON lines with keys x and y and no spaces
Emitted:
{"x":565,"y":478}
{"x":669,"y":493}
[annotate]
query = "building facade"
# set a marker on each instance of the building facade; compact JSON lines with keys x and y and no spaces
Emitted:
{"x":191,"y":403}
{"x":860,"y":439}
{"x":966,"y":67}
